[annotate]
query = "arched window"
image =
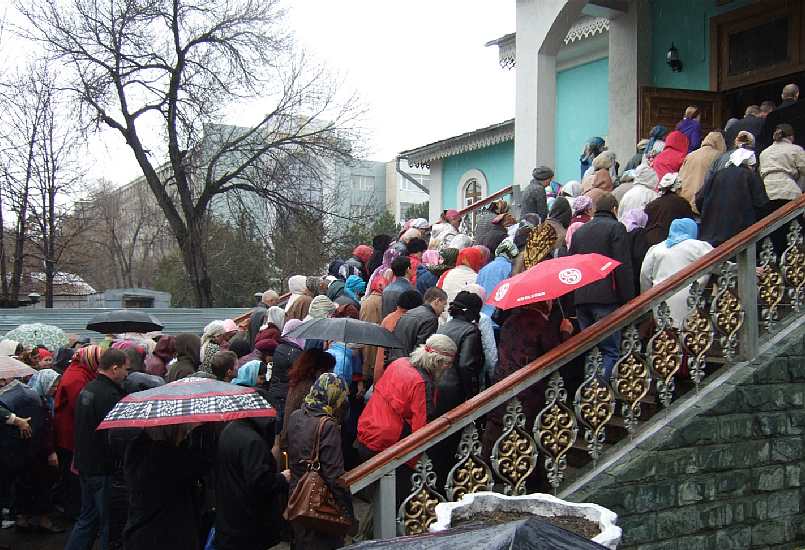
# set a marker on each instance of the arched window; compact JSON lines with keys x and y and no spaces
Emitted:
{"x":471,"y":189}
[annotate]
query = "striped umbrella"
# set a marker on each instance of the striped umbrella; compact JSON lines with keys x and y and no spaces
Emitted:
{"x":187,"y":401}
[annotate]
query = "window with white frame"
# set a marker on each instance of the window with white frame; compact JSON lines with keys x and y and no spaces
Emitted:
{"x":363,"y":183}
{"x":423,"y":180}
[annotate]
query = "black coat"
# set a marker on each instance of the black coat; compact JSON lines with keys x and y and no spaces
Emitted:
{"x":248,"y":487}
{"x":752,"y":124}
{"x":413,"y":328}
{"x":283,"y":359}
{"x":93,"y":455}
{"x":730,"y":202}
{"x":483,"y":224}
{"x":493,"y":237}
{"x":164,"y":497}
{"x":788,"y":112}
{"x":460,"y":382}
{"x":534,"y":201}
{"x":604,"y":234}
{"x":256,"y":321}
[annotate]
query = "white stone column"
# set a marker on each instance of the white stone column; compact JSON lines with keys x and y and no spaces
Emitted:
{"x":541,"y":27}
{"x":629,"y":69}
{"x":435,"y":201}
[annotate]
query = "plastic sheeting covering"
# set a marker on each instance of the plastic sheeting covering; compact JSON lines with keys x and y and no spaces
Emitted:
{"x":527,"y":534}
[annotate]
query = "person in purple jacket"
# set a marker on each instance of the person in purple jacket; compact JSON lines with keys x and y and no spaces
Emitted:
{"x":691,"y":127}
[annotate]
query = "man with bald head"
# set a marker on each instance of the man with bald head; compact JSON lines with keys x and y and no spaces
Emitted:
{"x":789,"y":111}
{"x":270,"y":298}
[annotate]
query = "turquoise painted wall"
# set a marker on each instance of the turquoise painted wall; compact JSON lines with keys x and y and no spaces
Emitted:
{"x":686,"y":23}
{"x":496,"y":162}
{"x":582,"y":111}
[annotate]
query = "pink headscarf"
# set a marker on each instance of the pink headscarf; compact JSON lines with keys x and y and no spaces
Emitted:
{"x":431,"y":257}
{"x":570,"y":230}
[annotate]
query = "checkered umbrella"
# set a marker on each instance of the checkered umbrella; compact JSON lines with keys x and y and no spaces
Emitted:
{"x":187,"y":401}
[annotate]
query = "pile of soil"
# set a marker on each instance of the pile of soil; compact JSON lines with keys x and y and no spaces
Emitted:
{"x":580,"y":526}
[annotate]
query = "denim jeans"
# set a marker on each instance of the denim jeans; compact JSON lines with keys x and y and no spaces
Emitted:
{"x":94,"y":517}
{"x":587,"y":314}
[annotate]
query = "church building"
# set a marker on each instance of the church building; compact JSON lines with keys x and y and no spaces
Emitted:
{"x":615,"y":69}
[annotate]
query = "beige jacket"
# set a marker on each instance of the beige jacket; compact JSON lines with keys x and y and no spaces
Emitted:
{"x":697,"y":164}
{"x":782,"y":166}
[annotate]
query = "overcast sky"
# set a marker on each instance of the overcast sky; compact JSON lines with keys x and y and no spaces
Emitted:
{"x":420,"y":66}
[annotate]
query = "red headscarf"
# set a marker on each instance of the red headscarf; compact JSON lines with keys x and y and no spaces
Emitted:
{"x":472,"y":258}
{"x":363,"y":252}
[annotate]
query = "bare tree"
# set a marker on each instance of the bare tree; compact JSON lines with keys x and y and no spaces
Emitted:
{"x":174,"y":66}
{"x":25,"y":103}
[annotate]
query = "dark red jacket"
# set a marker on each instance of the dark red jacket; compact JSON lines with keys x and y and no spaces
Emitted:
{"x":72,"y":382}
{"x":402,"y":402}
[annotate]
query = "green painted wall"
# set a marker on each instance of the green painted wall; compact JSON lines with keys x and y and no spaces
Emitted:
{"x":582,"y":111}
{"x":496,"y":162}
{"x":686,"y":23}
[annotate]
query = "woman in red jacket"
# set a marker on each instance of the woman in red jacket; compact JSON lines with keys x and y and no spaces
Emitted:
{"x":403,"y":401}
{"x":83,"y":369}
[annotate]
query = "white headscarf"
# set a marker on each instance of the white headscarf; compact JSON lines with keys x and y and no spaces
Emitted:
{"x":742,"y":156}
{"x":646,"y":176}
{"x":297,"y":284}
{"x":8,"y":347}
{"x":276,"y":316}
{"x":572,"y":188}
{"x":669,"y":180}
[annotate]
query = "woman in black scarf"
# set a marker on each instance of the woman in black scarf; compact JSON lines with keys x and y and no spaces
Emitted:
{"x":380,"y":244}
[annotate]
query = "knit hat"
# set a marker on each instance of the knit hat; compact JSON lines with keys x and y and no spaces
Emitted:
{"x":467,"y":302}
{"x":321,"y":307}
{"x":542,"y":173}
{"x":363,"y":252}
{"x":266,"y":345}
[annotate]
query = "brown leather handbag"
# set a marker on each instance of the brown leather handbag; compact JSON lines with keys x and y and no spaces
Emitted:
{"x":312,"y":504}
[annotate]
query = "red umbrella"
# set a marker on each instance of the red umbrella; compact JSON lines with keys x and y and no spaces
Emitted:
{"x":186,"y":401}
{"x":551,"y":279}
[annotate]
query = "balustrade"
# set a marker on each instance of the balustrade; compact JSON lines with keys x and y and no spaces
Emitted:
{"x":723,"y":324}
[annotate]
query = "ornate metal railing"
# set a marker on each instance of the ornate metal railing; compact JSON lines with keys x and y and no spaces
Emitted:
{"x":735,"y":292}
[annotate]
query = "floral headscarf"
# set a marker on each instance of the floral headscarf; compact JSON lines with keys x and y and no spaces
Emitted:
{"x":327,"y":395}
{"x":389,"y":256}
{"x":507,"y":249}
{"x":43,"y":380}
{"x":431,"y":257}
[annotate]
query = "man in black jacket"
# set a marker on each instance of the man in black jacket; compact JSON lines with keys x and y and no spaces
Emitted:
{"x":789,"y":111}
{"x":93,"y":456}
{"x":420,"y":323}
{"x":605,"y":235}
{"x":249,"y":492}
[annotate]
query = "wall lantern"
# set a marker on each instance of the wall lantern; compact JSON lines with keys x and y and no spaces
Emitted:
{"x":672,"y":58}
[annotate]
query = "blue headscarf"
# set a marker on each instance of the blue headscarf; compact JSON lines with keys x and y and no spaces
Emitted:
{"x":354,"y":287}
{"x":41,"y":382}
{"x":247,"y":374}
{"x":681,"y":229}
{"x":658,"y":132}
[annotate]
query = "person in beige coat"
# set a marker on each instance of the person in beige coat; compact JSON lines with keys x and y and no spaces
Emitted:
{"x":697,"y":164}
{"x":782,"y":169}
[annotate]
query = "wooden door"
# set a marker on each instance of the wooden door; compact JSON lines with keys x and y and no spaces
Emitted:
{"x":666,"y":106}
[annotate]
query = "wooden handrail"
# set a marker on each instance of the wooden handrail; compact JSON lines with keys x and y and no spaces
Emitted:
{"x":243,"y":320}
{"x":483,"y":202}
{"x":570,"y":349}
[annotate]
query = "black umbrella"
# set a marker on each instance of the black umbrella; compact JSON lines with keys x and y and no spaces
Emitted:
{"x":124,"y":320}
{"x":344,"y":329}
{"x":528,"y":534}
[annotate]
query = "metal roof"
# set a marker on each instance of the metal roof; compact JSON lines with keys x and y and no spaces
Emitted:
{"x":74,"y":321}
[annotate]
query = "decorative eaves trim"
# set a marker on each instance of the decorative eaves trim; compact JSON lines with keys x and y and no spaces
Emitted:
{"x":464,"y":143}
{"x":582,"y":30}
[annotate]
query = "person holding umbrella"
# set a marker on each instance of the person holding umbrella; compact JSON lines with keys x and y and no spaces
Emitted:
{"x":606,"y":236}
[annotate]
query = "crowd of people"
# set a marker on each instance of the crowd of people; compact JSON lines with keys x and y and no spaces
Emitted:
{"x":225,"y":485}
